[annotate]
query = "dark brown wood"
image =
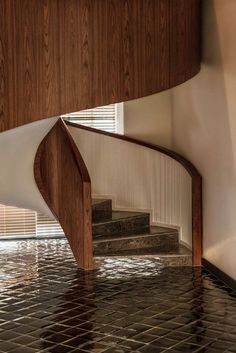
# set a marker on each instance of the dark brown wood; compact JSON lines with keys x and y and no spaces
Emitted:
{"x":197,"y":217}
{"x":185,"y":51}
{"x":60,"y":56}
{"x":57,"y":162}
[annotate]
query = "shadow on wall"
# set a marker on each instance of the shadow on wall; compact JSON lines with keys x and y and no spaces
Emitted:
{"x":18,"y":148}
{"x":204,"y":127}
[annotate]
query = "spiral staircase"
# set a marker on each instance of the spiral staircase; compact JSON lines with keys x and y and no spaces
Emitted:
{"x":62,"y":56}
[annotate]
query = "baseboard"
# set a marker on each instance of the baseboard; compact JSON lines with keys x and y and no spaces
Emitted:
{"x":229,"y":281}
{"x":188,"y":246}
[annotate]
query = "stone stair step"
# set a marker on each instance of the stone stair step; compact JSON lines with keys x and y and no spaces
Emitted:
{"x":101,"y":209}
{"x":181,"y":256}
{"x":122,"y":223}
{"x":121,"y":234}
{"x":159,"y":238}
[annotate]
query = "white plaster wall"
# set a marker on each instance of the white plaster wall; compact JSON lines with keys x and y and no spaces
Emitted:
{"x":149,"y":119}
{"x":18,"y":148}
{"x":204,"y":130}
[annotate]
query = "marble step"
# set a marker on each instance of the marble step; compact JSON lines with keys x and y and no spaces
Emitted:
{"x":158,"y":238}
{"x":101,"y":209}
{"x":122,"y":223}
{"x":181,"y":256}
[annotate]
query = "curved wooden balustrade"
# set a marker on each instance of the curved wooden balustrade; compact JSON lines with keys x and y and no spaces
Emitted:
{"x":196,"y":184}
{"x":64,"y":183}
{"x":60,"y":56}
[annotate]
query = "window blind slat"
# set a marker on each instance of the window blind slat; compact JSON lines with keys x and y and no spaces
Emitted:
{"x":17,"y":222}
{"x":103,"y":118}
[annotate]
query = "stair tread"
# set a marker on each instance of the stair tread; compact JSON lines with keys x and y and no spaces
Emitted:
{"x":158,"y":241}
{"x":121,"y":215}
{"x":153,"y":231}
{"x":99,"y":201}
{"x":180,"y":250}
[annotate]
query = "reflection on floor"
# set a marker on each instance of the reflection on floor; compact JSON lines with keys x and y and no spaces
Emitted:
{"x":48,"y":305}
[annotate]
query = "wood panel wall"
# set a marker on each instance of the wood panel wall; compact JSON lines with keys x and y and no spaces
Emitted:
{"x":64,"y":183}
{"x":59,"y":56}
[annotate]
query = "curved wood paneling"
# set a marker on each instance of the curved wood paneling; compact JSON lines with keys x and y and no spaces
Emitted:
{"x":94,"y":151}
{"x":59,"y":56}
{"x":64,"y":182}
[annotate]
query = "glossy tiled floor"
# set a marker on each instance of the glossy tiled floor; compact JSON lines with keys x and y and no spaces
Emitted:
{"x":48,"y":305}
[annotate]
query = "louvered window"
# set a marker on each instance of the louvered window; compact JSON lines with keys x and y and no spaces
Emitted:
{"x":47,"y":227}
{"x":21,"y":223}
{"x":106,"y":118}
{"x":17,"y":222}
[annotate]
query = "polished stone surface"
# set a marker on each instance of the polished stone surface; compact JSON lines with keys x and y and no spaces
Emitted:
{"x":101,"y":209}
{"x":126,"y":305}
{"x":179,"y":256}
{"x":116,"y":233}
{"x":121,"y":223}
{"x":157,"y":238}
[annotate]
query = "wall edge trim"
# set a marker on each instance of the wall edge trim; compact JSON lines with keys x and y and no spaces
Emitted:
{"x":221,"y":275}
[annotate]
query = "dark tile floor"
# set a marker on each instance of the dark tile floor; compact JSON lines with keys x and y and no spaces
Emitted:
{"x":48,"y":305}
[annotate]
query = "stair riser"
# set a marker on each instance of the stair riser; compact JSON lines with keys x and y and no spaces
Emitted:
{"x":121,"y":234}
{"x":176,"y":261}
{"x":162,"y":260}
{"x":101,"y":215}
{"x":134,"y":225}
{"x":102,"y":211}
{"x":164,"y":242}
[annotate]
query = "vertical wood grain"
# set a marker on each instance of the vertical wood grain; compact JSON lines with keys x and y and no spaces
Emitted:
{"x":4,"y":107}
{"x":197,"y":217}
{"x":60,"y":56}
{"x":57,"y":161}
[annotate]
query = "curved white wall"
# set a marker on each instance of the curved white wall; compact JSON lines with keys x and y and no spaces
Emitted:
{"x":205,"y":131}
{"x":138,"y":178}
{"x":150,"y":119}
{"x":18,"y":148}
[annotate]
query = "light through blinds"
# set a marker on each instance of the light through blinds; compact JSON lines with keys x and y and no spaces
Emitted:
{"x":102,"y":118}
{"x":17,"y":223}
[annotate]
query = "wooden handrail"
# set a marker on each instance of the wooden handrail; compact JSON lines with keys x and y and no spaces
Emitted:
{"x":74,"y":150}
{"x":57,"y":161}
{"x":196,"y":185}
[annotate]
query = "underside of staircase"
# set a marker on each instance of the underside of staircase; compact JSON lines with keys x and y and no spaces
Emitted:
{"x":129,"y":234}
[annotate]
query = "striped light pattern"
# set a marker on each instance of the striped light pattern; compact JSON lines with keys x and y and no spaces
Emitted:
{"x":17,"y":222}
{"x":102,"y":118}
{"x":22,"y":223}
